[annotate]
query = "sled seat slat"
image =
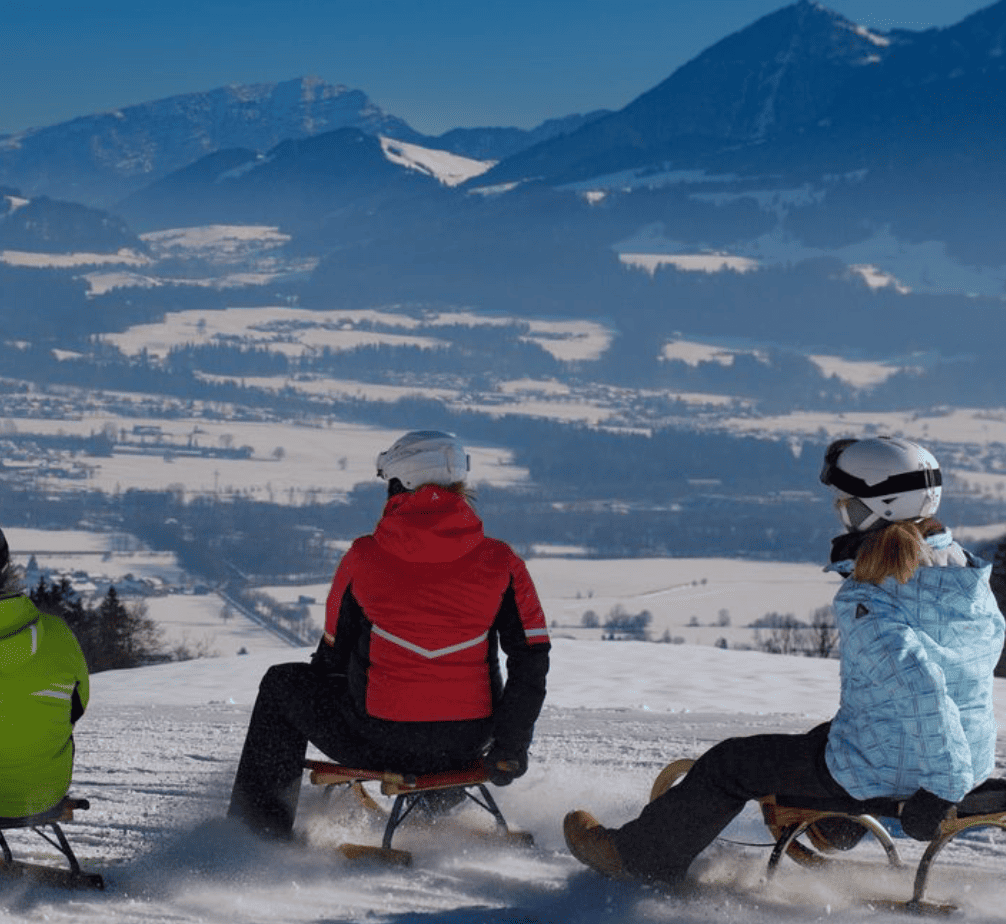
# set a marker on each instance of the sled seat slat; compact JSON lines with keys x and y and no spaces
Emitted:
{"x":988,"y":798}
{"x":325,"y":773}
{"x":63,"y":811}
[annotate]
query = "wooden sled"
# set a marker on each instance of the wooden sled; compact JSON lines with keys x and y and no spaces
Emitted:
{"x":430,"y":795}
{"x":71,"y":877}
{"x":788,"y":818}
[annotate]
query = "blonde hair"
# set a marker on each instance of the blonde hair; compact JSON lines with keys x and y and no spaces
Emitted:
{"x":896,"y":550}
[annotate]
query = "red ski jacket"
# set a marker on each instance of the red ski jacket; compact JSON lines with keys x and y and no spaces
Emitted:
{"x":416,"y":613}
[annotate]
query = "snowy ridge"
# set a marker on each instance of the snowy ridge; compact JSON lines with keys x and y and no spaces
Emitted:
{"x":450,"y":169}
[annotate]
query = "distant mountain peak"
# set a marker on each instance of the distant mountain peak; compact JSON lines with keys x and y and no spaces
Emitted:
{"x":773,"y":78}
{"x":104,"y":156}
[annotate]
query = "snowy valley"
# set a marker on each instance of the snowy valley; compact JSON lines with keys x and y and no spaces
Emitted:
{"x":212,"y":325}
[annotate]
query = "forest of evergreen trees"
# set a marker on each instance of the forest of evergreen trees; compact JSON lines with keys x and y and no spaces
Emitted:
{"x":112,"y":635}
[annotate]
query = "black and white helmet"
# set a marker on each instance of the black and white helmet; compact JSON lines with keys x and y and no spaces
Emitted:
{"x":882,"y":480}
{"x":424,"y":457}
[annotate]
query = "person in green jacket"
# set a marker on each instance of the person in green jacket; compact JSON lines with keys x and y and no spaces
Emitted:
{"x":43,"y":692}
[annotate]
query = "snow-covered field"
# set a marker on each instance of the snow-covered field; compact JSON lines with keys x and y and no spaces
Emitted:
{"x":287,"y":463}
{"x":696,"y":600}
{"x":157,"y":750}
{"x":297,"y":331}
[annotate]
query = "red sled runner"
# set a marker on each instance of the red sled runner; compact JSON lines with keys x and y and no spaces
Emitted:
{"x":430,"y":796}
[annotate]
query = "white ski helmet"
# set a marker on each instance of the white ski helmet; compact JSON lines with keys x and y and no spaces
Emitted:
{"x":424,"y":457}
{"x":882,"y":478}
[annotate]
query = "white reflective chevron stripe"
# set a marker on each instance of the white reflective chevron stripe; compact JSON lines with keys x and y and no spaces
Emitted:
{"x":426,"y":652}
{"x":56,"y":694}
{"x":535,"y":633}
{"x":33,"y":626}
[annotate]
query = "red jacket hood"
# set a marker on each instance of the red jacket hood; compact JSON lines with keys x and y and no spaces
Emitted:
{"x":431,"y":525}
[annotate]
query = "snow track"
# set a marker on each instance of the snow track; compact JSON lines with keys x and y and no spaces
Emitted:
{"x":159,"y":776}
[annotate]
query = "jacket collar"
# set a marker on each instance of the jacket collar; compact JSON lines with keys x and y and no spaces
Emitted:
{"x":845,"y":548}
{"x":15,"y":614}
{"x":429,"y":525}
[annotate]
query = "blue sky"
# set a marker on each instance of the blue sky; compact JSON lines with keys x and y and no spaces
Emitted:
{"x":438,"y":64}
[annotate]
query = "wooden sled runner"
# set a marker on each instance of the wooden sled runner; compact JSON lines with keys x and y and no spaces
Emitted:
{"x":788,"y":819}
{"x":72,"y":876}
{"x":430,"y":795}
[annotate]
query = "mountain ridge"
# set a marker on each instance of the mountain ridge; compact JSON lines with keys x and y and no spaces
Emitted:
{"x":801,"y":72}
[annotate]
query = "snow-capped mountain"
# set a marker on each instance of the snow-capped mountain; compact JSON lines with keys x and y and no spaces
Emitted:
{"x":298,"y":182}
{"x":100,"y":158}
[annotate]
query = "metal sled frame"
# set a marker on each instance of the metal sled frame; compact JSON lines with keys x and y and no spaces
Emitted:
{"x":788,"y":818}
{"x":978,"y":809}
{"x":74,"y":876}
{"x":411,"y":791}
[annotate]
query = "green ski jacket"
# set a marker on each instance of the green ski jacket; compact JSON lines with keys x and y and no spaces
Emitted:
{"x":43,"y":690}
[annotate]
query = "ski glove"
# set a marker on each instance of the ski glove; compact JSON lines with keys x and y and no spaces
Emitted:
{"x":922,"y":814}
{"x":504,"y":766}
{"x":325,"y":664}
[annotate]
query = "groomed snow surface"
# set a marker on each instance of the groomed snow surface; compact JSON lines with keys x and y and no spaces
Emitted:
{"x":157,"y":750}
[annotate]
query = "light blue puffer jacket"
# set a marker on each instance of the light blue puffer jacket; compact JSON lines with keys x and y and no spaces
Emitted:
{"x":917,"y":662}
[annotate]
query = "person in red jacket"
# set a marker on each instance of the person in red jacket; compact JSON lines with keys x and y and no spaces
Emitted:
{"x":407,"y":674}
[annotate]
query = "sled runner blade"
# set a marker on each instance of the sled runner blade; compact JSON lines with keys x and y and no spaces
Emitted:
{"x":387,"y":855}
{"x":912,"y":906}
{"x":461,"y":828}
{"x":51,"y":875}
{"x":70,"y":877}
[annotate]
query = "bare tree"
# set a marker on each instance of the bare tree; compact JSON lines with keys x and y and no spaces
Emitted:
{"x":823,"y":633}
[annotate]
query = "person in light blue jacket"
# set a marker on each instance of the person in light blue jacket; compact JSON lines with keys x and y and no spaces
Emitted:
{"x":921,"y":634}
{"x":920,"y":637}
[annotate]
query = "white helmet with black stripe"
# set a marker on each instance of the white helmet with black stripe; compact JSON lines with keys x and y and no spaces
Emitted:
{"x":424,"y":457}
{"x":882,"y":480}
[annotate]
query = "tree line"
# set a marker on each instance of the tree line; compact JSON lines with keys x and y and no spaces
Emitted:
{"x":113,"y":635}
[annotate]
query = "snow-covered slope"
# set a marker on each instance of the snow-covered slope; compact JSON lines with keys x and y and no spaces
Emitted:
{"x":450,"y":169}
{"x":157,"y":750}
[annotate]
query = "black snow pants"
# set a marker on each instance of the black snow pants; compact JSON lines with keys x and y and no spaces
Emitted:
{"x":675,"y":828}
{"x":297,"y":704}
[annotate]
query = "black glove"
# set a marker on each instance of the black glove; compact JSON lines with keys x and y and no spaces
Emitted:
{"x":504,"y":765}
{"x":325,"y":664}
{"x":922,"y":814}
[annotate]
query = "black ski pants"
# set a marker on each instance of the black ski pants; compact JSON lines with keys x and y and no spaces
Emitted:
{"x":675,"y":828}
{"x":297,"y":704}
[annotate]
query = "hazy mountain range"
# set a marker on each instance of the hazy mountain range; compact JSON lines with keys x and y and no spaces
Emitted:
{"x":97,"y":159}
{"x":806,"y":217}
{"x":800,"y":137}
